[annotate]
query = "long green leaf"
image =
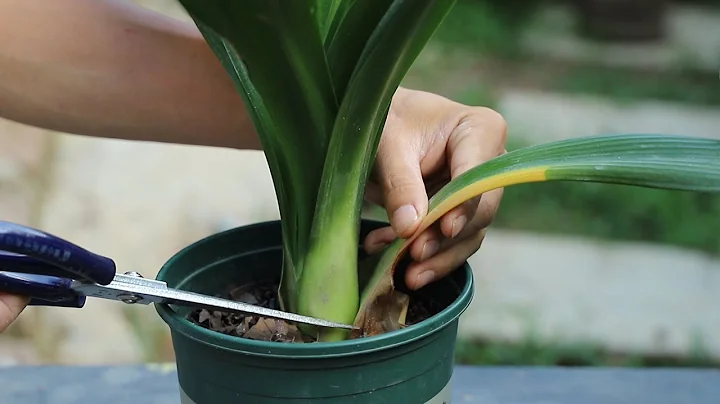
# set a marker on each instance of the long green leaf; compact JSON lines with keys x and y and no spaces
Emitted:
{"x":279,"y":170}
{"x":653,"y":161}
{"x":324,"y":12}
{"x":328,"y":287}
{"x":351,"y":28}
{"x":274,"y":52}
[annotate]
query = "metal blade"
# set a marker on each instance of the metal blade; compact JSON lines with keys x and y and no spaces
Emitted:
{"x":133,"y":288}
{"x":213,"y":303}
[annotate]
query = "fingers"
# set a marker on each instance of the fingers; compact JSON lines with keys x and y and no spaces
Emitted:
{"x":432,"y":251}
{"x":479,"y":136}
{"x":426,"y":244}
{"x":446,"y":146}
{"x":453,"y":251}
{"x":374,"y":193}
{"x":422,"y":273}
{"x":487,"y":208}
{"x":10,"y":308}
{"x":379,"y":238}
{"x":453,"y":222}
{"x":404,"y":194}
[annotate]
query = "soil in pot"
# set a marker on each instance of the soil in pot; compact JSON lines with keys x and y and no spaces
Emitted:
{"x":421,"y":307}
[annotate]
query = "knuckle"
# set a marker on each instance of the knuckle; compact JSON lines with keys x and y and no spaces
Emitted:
{"x":461,"y":167}
{"x":484,"y":221}
{"x":399,"y":183}
{"x":491,"y":115}
{"x":492,"y":119}
{"x":471,"y":207}
{"x":492,"y":123}
{"x":479,"y":237}
{"x":475,"y":235}
{"x":485,"y":213}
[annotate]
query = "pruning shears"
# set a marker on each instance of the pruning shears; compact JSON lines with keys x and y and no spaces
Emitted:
{"x":55,"y":272}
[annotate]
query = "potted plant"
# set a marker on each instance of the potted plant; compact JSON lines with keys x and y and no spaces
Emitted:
{"x":318,"y":77}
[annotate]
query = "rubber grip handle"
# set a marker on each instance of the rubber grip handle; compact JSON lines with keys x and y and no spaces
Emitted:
{"x":73,"y":260}
{"x":44,"y":290}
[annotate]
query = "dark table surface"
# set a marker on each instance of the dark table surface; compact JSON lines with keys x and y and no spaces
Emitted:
{"x":157,"y":384}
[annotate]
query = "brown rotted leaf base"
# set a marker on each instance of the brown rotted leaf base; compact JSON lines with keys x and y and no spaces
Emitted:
{"x":394,"y":311}
{"x":387,"y":313}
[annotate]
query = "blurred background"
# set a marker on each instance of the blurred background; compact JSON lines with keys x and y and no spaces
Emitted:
{"x":571,"y":274}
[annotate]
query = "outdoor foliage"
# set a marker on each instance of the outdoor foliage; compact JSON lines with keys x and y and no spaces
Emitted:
{"x":615,"y":212}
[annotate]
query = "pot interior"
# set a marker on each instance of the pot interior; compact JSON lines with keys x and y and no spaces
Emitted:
{"x":253,"y":254}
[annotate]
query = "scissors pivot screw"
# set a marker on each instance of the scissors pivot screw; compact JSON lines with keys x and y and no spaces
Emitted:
{"x":129,"y":298}
{"x":133,"y":273}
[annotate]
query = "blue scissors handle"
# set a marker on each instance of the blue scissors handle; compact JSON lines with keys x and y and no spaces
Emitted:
{"x":42,"y":266}
{"x":55,"y":272}
{"x":44,"y":290}
{"x":68,"y":259}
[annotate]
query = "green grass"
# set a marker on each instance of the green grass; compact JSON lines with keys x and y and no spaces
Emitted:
{"x":533,"y":353}
{"x":476,"y":26}
{"x":626,"y":85}
{"x":490,"y":30}
{"x":615,"y":212}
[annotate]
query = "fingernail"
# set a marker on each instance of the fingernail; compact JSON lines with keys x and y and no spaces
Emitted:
{"x":423,"y":278}
{"x":404,"y":217}
{"x":458,"y":225}
{"x":429,"y":249}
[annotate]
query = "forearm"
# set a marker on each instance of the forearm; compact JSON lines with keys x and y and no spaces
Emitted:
{"x":110,"y":68}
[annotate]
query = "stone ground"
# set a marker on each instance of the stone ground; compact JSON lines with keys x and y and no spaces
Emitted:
{"x":543,"y":116}
{"x":139,"y":203}
{"x":626,"y":297}
{"x":692,"y":41}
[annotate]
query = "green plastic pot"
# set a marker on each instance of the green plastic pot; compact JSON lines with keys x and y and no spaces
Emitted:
{"x":412,"y":365}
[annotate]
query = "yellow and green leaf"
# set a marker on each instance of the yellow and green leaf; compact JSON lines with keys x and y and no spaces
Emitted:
{"x":653,"y":161}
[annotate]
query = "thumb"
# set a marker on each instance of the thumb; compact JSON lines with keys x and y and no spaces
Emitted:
{"x":403,"y":188}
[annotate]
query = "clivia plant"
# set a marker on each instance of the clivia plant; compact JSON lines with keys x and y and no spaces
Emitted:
{"x":317,"y":77}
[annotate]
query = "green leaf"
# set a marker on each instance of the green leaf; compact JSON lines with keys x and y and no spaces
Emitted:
{"x":324,"y":12}
{"x":354,"y":23}
{"x":274,"y":52}
{"x":652,"y":161}
{"x":259,"y":115}
{"x":328,"y":287}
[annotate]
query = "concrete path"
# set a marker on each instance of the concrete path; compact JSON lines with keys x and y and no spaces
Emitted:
{"x":693,"y":41}
{"x":626,"y":297}
{"x":542,"y":116}
{"x":158,"y":384}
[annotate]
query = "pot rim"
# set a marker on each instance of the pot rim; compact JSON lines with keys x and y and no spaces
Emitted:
{"x":216,"y":340}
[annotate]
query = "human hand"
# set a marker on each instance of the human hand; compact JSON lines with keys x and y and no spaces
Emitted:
{"x":10,"y":308}
{"x":428,"y":140}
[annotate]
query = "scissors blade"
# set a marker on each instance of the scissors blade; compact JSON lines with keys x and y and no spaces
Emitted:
{"x":136,"y":289}
{"x":214,"y":303}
